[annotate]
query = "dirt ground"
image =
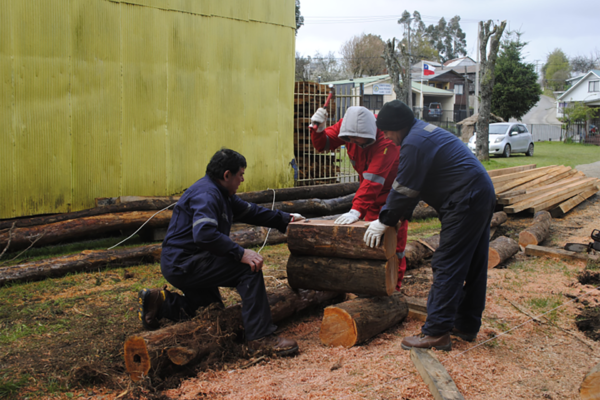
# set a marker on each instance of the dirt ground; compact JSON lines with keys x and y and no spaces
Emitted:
{"x":514,"y":356}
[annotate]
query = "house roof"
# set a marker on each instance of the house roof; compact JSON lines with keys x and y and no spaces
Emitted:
{"x":458,"y":61}
{"x":365,"y":80}
{"x":379,"y":78}
{"x":437,"y":74}
{"x":595,"y":72}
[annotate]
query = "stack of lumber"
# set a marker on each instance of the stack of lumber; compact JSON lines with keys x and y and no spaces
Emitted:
{"x":556,"y":188}
{"x":308,"y":97}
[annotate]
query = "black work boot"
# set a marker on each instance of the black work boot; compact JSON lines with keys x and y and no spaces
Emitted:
{"x":469,"y":337}
{"x":279,"y":345}
{"x":422,"y":341}
{"x":150,"y":301}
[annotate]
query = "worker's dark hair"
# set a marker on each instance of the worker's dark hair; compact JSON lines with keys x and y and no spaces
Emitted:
{"x":225,"y":160}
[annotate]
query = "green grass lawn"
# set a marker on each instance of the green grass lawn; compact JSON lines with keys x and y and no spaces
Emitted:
{"x":549,"y":153}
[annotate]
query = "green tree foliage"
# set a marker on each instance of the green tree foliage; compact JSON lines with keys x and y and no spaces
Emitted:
{"x":299,"y":17}
{"x":516,"y":89}
{"x":420,"y":45}
{"x":556,"y":70}
{"x":448,"y":38}
{"x":577,"y":112}
{"x":362,"y":56}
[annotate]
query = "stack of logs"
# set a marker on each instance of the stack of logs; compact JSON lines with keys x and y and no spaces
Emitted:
{"x":556,"y":188}
{"x":308,"y":97}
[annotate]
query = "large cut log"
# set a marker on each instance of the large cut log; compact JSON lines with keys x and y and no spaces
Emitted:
{"x":178,"y":348}
{"x":89,"y":260}
{"x":440,"y":384}
{"x":43,"y":235}
{"x":501,"y":249}
{"x":537,"y":231}
{"x":370,"y":277}
{"x":424,"y":211}
{"x":324,"y":238}
{"x":590,"y":386}
{"x":314,"y":207}
{"x":355,"y":321}
{"x":417,"y":251}
{"x":263,"y":196}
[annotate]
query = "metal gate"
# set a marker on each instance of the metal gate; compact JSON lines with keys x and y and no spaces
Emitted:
{"x":312,"y":168}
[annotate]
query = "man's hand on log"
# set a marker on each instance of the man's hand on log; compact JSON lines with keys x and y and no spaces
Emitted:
{"x":373,"y":234}
{"x":253,"y":259}
{"x":349,"y":218}
{"x":297,"y":217}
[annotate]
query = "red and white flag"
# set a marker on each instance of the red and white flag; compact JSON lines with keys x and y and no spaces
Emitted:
{"x":428,"y":69}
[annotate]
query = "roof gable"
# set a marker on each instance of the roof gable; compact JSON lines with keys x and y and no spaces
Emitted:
{"x":591,"y":75}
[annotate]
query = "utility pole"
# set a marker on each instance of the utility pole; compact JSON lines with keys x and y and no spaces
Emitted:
{"x":409,"y":94}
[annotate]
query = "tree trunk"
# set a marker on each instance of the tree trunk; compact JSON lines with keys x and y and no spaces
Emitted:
{"x":90,"y":260}
{"x":178,"y":349}
{"x":355,"y":321}
{"x":590,"y":386}
{"x":424,"y":211}
{"x":370,"y":277}
{"x":57,"y":232}
{"x":501,"y":250}
{"x":419,"y":250}
{"x":538,"y":231}
{"x":498,"y":219}
{"x":325,"y":239}
{"x":314,"y":207}
{"x":487,"y":83}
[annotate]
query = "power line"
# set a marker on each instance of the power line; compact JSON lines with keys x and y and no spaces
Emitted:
{"x":370,"y":18}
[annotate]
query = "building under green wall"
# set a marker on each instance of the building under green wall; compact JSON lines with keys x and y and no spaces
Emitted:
{"x":103,"y":98}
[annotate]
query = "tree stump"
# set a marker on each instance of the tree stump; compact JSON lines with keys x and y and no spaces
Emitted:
{"x":501,"y":250}
{"x":355,"y":321}
{"x":538,"y":231}
{"x":370,"y":277}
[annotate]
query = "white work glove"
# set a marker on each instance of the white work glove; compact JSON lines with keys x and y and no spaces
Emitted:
{"x":373,"y":234}
{"x":296,"y":217}
{"x":348,"y":218}
{"x":319,"y":118}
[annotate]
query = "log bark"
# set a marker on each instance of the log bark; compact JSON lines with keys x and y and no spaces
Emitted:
{"x":440,"y":384}
{"x":498,"y":219}
{"x":90,"y":260}
{"x":353,"y":322}
{"x":370,"y":277}
{"x":590,"y":386}
{"x":424,"y":211}
{"x":314,"y":207}
{"x":178,"y":348}
{"x":325,"y":239}
{"x":538,"y":231}
{"x":417,"y":251}
{"x":501,"y":249}
{"x":78,"y":228}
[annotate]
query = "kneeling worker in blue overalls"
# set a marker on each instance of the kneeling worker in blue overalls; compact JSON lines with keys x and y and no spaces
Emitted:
{"x":436,"y":167}
{"x":198,"y":256}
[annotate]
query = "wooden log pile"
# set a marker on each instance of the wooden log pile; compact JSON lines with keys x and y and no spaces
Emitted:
{"x":556,"y":188}
{"x":308,"y":97}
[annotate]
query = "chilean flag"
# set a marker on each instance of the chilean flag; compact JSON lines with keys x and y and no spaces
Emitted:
{"x":428,"y":69}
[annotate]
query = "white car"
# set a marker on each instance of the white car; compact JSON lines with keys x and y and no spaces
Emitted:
{"x":507,"y":138}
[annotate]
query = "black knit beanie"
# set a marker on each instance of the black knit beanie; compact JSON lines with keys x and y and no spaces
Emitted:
{"x":395,"y":115}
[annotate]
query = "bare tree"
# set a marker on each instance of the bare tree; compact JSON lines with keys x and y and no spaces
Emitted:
{"x":362,"y":56}
{"x":390,"y":55}
{"x":491,"y":32}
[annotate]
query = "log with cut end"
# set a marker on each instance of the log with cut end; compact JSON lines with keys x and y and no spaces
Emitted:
{"x":590,"y":386}
{"x":371,"y":277}
{"x":538,"y":231}
{"x":501,"y":249}
{"x":324,"y":238}
{"x":417,"y":251}
{"x":355,"y":321}
{"x":314,"y":207}
{"x":43,"y":235}
{"x":498,"y":218}
{"x":177,"y":349}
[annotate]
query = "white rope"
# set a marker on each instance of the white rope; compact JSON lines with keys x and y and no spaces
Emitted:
{"x":269,"y":231}
{"x":133,"y":234}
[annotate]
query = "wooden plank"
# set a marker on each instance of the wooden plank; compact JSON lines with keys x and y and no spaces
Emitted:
{"x":553,"y":202}
{"x":573,"y":202}
{"x":416,"y":304}
{"x":558,"y":171}
{"x":517,"y":175}
{"x":440,"y":384}
{"x":541,"y":251}
{"x":548,"y":196}
{"x":510,"y":170}
{"x":566,"y":175}
{"x":531,"y":193}
{"x":504,"y":186}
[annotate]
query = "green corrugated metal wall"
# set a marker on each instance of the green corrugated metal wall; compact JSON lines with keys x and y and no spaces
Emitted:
{"x":102,"y":98}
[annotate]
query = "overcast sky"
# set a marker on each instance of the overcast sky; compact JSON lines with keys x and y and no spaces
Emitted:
{"x":572,"y":25}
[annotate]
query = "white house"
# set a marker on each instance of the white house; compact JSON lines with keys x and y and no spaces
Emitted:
{"x":586,"y":89}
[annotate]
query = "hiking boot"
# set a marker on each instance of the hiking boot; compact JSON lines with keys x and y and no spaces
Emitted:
{"x":422,"y":341}
{"x":279,"y":345}
{"x":468,"y":337}
{"x":150,"y":301}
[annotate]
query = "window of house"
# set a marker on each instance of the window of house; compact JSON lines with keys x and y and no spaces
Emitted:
{"x":373,"y":101}
{"x":594,"y":86}
{"x":458,"y":89}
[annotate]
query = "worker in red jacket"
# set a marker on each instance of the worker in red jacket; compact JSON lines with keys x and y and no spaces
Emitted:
{"x":374,"y":157}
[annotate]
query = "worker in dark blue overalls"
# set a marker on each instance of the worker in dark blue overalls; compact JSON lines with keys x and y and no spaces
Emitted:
{"x":438,"y":168}
{"x":198,"y":256}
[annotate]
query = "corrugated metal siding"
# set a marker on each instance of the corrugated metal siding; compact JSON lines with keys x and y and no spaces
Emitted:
{"x":108,"y":98}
